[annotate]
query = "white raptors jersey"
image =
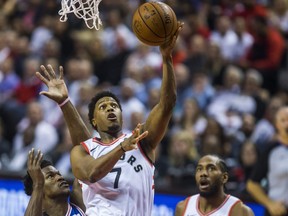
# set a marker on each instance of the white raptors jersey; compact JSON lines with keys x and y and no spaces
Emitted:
{"x":192,"y":207}
{"x":127,"y":190}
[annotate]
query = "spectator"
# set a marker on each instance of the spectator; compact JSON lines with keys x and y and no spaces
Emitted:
{"x":278,"y":16}
{"x":264,"y":131}
{"x":244,"y":39}
{"x":129,"y":101}
{"x":248,"y":157}
{"x":5,"y":148}
{"x":225,"y":37}
{"x":180,"y":161}
{"x":266,"y":52}
{"x":191,"y":120}
{"x":9,"y":80}
{"x":32,"y":132}
{"x":272,"y":166}
{"x":196,"y":59}
{"x":252,"y":86}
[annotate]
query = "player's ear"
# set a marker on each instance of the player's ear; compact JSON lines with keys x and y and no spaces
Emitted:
{"x":94,"y":122}
{"x":225,"y":177}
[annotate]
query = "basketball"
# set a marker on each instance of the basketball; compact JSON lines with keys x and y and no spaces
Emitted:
{"x":154,"y":23}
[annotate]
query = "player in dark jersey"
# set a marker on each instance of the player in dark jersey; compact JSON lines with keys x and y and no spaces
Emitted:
{"x":49,"y":191}
{"x":211,"y":176}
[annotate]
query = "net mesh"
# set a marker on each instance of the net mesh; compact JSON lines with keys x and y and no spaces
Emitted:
{"x":83,"y":9}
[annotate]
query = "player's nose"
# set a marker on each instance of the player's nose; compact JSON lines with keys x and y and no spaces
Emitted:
{"x":203,"y":172}
{"x":60,"y":178}
{"x":110,"y":108}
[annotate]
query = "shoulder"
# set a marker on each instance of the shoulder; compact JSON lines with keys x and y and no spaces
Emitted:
{"x":240,"y":209}
{"x":77,"y":208}
{"x":180,"y":207}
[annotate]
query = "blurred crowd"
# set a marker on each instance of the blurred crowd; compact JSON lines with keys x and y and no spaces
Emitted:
{"x":231,"y":71}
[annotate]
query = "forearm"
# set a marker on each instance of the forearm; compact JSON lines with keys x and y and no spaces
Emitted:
{"x":76,"y":195}
{"x":89,"y":169}
{"x":168,"y":87}
{"x":258,"y":193}
{"x":77,"y":128}
{"x":160,"y":115}
{"x":34,"y":207}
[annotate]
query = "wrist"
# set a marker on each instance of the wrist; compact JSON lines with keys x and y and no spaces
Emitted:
{"x":122,"y":148}
{"x":38,"y":186}
{"x":64,"y":102}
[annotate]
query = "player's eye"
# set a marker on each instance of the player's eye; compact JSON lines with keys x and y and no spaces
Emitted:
{"x":211,"y":168}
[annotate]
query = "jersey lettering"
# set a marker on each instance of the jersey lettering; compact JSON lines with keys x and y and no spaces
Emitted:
{"x":131,"y":160}
{"x":138,"y":168}
{"x":122,"y":157}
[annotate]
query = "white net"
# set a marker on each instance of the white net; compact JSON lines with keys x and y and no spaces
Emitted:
{"x":83,"y":9}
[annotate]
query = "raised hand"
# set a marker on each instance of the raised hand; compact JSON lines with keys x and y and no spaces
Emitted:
{"x":167,"y":48}
{"x":34,"y":169}
{"x":131,"y":142}
{"x":57,"y":89}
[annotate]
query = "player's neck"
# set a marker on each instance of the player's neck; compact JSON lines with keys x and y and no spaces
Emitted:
{"x":208,"y":204}
{"x":56,"y":207}
{"x":109,"y":137}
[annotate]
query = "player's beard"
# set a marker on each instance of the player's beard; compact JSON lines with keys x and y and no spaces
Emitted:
{"x":214,"y":190}
{"x":114,"y":128}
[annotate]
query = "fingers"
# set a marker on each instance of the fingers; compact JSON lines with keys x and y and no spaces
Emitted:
{"x":42,"y":78}
{"x":61,"y":72}
{"x":52,"y":72}
{"x":47,"y":74}
{"x":180,"y":26}
{"x":38,"y":158}
{"x":34,"y":160}
{"x":138,"y":135}
{"x":30,"y":157}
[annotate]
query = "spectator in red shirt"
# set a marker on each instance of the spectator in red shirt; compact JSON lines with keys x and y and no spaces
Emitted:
{"x":266,"y":52}
{"x":248,"y":9}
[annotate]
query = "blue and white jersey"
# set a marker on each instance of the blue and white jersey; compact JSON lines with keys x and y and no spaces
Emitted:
{"x":74,"y":210}
{"x":127,"y":190}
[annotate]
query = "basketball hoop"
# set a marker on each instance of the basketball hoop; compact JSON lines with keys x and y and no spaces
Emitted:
{"x":83,"y":9}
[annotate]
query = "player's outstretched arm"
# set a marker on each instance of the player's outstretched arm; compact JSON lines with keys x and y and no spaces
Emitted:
{"x":160,"y":115}
{"x":57,"y":91}
{"x":34,"y":207}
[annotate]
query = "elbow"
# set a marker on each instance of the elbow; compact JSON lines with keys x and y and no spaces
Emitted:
{"x":93,"y":177}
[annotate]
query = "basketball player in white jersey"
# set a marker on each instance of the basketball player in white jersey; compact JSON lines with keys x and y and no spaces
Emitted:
{"x":211,"y":176}
{"x":116,"y":170}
